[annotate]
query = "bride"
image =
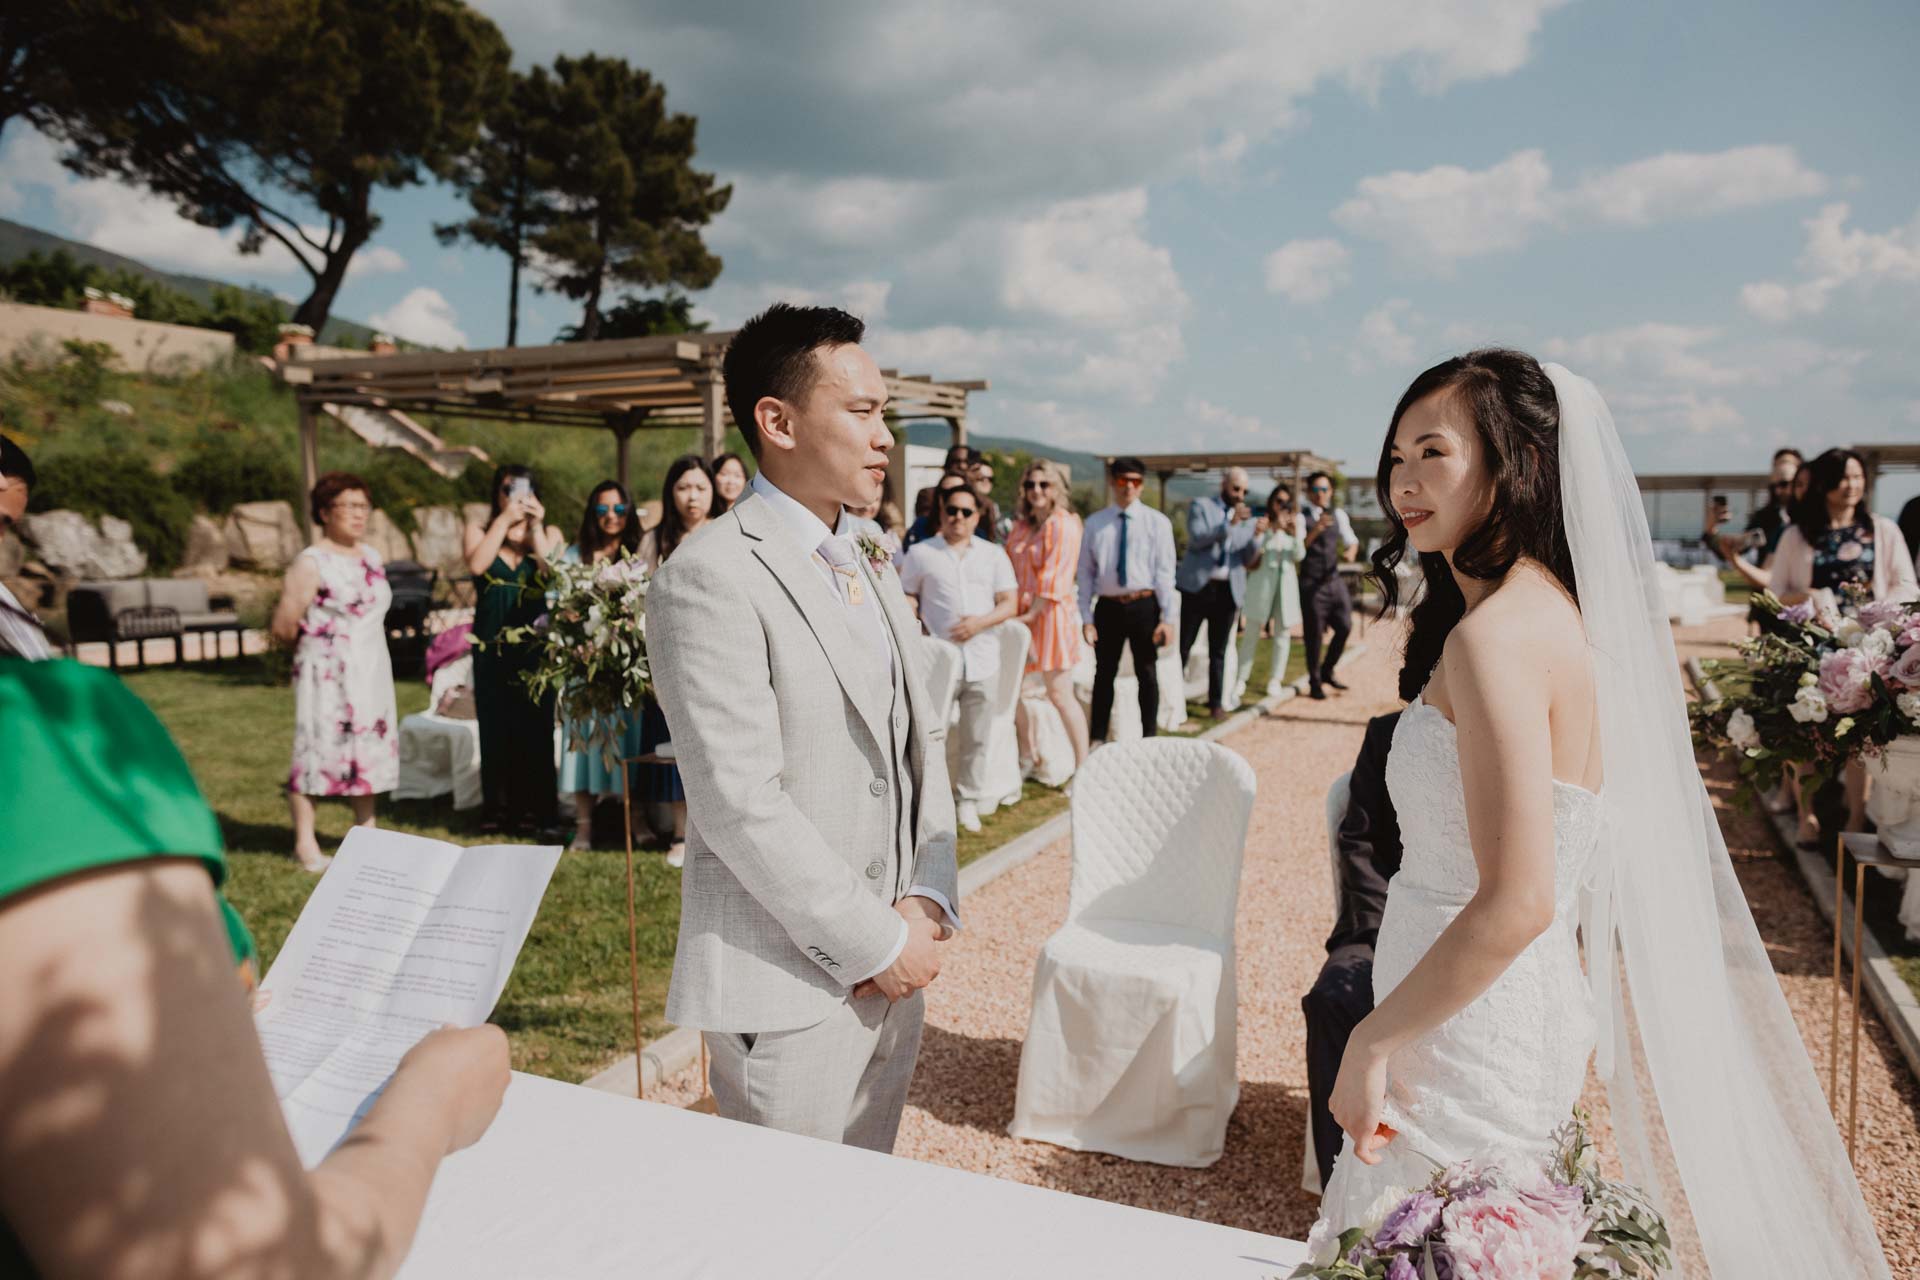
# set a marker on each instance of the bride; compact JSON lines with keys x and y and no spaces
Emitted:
{"x":1546,"y":783}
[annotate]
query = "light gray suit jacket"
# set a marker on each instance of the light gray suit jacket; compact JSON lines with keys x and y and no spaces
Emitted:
{"x":780,"y":728}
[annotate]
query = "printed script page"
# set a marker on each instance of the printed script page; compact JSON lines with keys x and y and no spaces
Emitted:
{"x":401,"y":936}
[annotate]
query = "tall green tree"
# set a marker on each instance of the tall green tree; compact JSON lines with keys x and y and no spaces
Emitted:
{"x":258,"y":112}
{"x":643,"y":318}
{"x":507,"y":178}
{"x":629,"y":203}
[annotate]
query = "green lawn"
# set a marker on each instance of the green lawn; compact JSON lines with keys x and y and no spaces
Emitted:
{"x":567,"y":1009}
{"x":1257,"y":682}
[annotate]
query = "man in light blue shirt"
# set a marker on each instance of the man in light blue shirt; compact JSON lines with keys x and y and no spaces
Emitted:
{"x":1213,"y":576}
{"x":1126,"y":561}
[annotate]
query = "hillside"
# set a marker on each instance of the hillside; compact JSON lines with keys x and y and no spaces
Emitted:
{"x":18,"y":240}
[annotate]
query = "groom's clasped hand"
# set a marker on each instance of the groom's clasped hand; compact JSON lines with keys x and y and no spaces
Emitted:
{"x":918,"y":963}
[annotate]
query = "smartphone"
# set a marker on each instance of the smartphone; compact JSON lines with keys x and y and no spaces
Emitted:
{"x":520,"y":487}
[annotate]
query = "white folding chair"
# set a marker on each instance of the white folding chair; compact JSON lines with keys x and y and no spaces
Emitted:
{"x":1131,"y":1044}
{"x":1337,"y":796}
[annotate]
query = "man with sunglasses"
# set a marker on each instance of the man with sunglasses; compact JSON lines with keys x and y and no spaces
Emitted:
{"x":1213,"y":576}
{"x":1126,"y":560}
{"x":1324,"y":602}
{"x":963,"y":586}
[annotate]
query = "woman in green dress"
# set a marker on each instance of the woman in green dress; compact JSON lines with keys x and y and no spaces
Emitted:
{"x":1273,"y":590}
{"x":137,"y":1105}
{"x":518,"y":787}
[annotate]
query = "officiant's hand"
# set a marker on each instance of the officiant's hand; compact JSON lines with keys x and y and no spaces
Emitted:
{"x":1359,"y":1097}
{"x":918,"y":963}
{"x":464,"y":1070}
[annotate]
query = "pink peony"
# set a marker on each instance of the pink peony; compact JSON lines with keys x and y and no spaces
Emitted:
{"x":1905,"y":669}
{"x":1883,"y":613}
{"x":1846,"y":680}
{"x":1498,"y":1235}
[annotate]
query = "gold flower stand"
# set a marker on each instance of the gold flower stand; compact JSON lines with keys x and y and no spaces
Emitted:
{"x":1866,"y":851}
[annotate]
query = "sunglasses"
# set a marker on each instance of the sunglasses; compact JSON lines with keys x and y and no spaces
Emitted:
{"x":611,"y":508}
{"x":1132,"y":482}
{"x":1036,"y":484}
{"x":962,"y":511}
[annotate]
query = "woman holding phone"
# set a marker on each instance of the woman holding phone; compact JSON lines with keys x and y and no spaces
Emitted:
{"x":1273,"y":590}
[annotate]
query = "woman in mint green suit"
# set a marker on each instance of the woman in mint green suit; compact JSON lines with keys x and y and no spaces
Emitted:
{"x":1273,"y":589}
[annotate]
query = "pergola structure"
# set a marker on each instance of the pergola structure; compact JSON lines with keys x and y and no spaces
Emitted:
{"x":1710,"y":485}
{"x":1887,"y":457}
{"x":623,"y":386}
{"x":1280,"y":463}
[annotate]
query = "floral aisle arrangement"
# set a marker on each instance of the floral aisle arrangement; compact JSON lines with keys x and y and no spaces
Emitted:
{"x":1500,"y":1218}
{"x":1818,"y":689}
{"x":591,"y":647}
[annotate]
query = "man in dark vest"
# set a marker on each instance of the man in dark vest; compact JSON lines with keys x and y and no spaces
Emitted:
{"x":1369,"y":842}
{"x":1324,"y":602}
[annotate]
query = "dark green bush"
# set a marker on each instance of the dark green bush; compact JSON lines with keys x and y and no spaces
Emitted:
{"x":97,"y":482}
{"x":81,"y":379}
{"x":224,"y":468}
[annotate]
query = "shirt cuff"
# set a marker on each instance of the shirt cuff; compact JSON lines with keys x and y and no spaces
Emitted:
{"x":938,"y":899}
{"x":892,"y":955}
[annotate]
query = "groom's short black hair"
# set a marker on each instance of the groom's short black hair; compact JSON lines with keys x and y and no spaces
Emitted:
{"x":772,"y":355}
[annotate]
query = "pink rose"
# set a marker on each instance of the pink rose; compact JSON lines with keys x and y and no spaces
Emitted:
{"x":1498,"y":1235}
{"x":1905,"y":669}
{"x":1883,"y":613}
{"x":1846,"y":680}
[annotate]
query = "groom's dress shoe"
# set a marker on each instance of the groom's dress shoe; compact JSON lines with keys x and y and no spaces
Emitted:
{"x":1331,"y":683}
{"x":1317,"y":694}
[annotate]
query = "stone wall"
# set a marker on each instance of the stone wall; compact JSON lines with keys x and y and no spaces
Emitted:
{"x":140,"y":344}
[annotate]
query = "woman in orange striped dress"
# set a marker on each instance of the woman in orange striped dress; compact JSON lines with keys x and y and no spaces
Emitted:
{"x":1045,"y":548}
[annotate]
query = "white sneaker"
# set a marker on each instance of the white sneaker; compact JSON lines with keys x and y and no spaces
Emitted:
{"x":969,"y":815}
{"x":677,"y":855}
{"x":1273,"y":688}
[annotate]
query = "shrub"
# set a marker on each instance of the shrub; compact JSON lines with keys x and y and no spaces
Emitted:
{"x":224,"y":468}
{"x":81,"y":378}
{"x":103,"y":482}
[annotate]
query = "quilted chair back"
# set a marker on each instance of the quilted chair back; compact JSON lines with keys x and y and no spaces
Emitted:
{"x":1159,"y":828}
{"x":943,"y":676}
{"x":1337,"y":795}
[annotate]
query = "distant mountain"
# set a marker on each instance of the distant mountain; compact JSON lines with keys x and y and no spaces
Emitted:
{"x":17,"y":241}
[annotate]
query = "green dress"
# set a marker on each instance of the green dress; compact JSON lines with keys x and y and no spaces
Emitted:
{"x":518,"y":786}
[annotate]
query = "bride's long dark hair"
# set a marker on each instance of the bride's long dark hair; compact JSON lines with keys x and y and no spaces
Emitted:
{"x":1517,"y":416}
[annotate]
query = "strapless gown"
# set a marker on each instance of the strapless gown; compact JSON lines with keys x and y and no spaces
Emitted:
{"x":1505,"y":1071}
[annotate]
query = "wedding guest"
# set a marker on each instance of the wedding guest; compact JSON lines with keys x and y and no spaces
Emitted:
{"x":980,"y":475}
{"x":1751,"y":555}
{"x":1369,"y":845}
{"x":21,"y":635}
{"x":1324,"y":602}
{"x":926,"y":515}
{"x":1273,"y":591}
{"x":1213,"y":577}
{"x":609,"y":529}
{"x":1126,"y":561}
{"x":332,"y":613}
{"x":1910,"y":526}
{"x":893,"y":526}
{"x":688,"y":501}
{"x":506,"y":555}
{"x":964,"y":587}
{"x":730,"y":477}
{"x":139,"y":1131}
{"x":1836,"y":543}
{"x":1044,"y":545}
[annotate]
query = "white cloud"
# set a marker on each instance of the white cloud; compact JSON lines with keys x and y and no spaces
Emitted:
{"x":1307,"y":270}
{"x":1440,"y":215}
{"x":1837,"y":256}
{"x":423,"y":316}
{"x":1649,"y":351}
{"x":1220,"y":420}
{"x":1382,"y":341}
{"x":1643,"y":413}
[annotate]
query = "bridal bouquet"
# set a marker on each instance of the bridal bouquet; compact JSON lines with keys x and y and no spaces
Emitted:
{"x":591,"y":647}
{"x":1817,"y":689}
{"x":1502,"y":1219}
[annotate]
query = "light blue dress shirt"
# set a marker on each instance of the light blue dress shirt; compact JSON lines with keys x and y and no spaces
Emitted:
{"x":1150,"y":558}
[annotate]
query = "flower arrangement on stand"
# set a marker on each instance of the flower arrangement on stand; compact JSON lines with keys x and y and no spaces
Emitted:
{"x":1498,"y":1217}
{"x":1817,"y":690}
{"x":592,"y":648}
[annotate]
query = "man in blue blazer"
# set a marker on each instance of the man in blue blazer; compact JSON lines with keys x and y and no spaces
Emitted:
{"x":1213,"y":576}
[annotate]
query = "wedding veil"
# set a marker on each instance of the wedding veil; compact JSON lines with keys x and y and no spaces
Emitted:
{"x":1716,"y":1110}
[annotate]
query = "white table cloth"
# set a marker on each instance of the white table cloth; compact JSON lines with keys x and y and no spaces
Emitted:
{"x":439,"y":756}
{"x":570,"y":1182}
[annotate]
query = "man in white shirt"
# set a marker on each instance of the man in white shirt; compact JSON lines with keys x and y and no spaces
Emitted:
{"x":21,"y":635}
{"x":964,"y":587}
{"x":1127,"y":562}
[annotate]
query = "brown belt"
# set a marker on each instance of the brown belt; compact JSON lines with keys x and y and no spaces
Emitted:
{"x":1128,"y":597}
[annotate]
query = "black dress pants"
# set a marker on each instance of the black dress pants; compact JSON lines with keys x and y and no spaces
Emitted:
{"x":1212,"y":604}
{"x":1323,"y":605}
{"x":1118,"y":626}
{"x":1341,"y":997}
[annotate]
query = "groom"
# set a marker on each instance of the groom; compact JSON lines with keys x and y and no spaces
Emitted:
{"x":820,"y":874}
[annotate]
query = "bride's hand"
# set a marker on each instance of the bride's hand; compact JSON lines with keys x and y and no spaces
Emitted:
{"x":1359,"y":1095}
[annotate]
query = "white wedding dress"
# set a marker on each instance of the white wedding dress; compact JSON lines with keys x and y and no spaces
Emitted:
{"x":1505,"y":1071}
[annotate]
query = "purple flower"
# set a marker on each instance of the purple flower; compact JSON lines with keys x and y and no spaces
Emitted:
{"x":1401,"y":1268}
{"x":1798,"y":613}
{"x":1410,"y":1223}
{"x":1905,"y":669}
{"x":1883,"y":613}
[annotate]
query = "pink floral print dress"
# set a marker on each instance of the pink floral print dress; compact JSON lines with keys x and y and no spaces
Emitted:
{"x":346,"y":738}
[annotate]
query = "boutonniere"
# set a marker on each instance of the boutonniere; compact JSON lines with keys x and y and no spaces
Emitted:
{"x":878,"y":557}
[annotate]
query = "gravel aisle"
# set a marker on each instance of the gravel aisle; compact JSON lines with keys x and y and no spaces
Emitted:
{"x":962,"y":1097}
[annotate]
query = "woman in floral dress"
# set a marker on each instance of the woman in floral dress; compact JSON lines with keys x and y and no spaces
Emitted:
{"x":333,"y":612}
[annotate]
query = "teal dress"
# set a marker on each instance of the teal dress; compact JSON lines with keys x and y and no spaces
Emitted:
{"x":518,"y":789}
{"x":588,"y":770}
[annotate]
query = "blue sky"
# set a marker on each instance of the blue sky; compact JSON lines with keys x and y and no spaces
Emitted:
{"x":1248,"y":225}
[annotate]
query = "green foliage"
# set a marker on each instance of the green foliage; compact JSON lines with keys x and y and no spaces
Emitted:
{"x":642,"y":318}
{"x":225,"y":468}
{"x":81,"y":378}
{"x":61,"y":280}
{"x":117,"y":482}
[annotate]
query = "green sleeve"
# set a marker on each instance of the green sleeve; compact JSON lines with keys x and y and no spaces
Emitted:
{"x":91,"y":779}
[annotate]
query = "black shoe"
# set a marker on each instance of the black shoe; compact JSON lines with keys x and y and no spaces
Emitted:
{"x":1331,"y":683}
{"x":1317,"y":694}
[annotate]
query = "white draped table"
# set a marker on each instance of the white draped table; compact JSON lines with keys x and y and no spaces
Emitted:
{"x":573,"y":1183}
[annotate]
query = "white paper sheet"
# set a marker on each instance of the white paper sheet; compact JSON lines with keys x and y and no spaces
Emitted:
{"x":401,"y":936}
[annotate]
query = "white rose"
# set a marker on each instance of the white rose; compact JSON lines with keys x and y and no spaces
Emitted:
{"x":1909,"y":704}
{"x":1849,"y":632}
{"x":1809,"y":705}
{"x":1877,"y":644}
{"x":1741,"y":731}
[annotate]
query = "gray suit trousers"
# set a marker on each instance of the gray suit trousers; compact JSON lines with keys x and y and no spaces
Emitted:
{"x":843,"y":1080}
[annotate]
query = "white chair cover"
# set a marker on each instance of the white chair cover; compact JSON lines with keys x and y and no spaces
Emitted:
{"x":1124,"y":725}
{"x":1130,"y":1048}
{"x":1052,"y":762}
{"x":439,"y":756}
{"x":1004,"y":779}
{"x":1337,"y":795}
{"x":943,"y":676}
